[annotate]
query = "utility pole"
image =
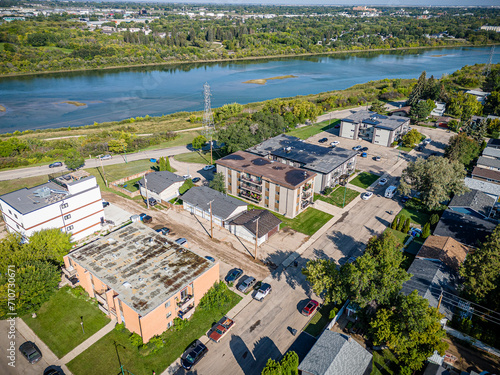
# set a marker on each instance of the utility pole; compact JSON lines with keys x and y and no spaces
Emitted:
{"x":208,"y":119}
{"x":104,"y":173}
{"x":211,"y":221}
{"x":256,"y":235}
{"x":146,"y":186}
{"x":440,"y":299}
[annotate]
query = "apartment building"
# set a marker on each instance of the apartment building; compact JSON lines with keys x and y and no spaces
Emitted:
{"x":375,"y":128}
{"x":279,"y":187}
{"x":142,"y":278}
{"x":70,"y":202}
{"x":329,"y":164}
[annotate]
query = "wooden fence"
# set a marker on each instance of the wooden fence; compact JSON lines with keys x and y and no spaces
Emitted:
{"x":114,"y":185}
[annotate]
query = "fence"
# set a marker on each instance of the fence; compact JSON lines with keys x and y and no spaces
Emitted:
{"x":473,"y":341}
{"x":337,"y":317}
{"x":114,"y":185}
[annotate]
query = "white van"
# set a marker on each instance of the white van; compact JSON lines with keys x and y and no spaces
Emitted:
{"x":390,"y":191}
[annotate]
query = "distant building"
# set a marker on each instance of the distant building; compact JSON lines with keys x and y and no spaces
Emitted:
{"x":488,"y":163}
{"x":401,"y":112}
{"x":438,"y":111}
{"x":473,"y":203}
{"x":491,"y":152}
{"x":71,"y":203}
{"x":372,"y":127}
{"x":162,"y":186}
{"x":489,"y":188}
{"x":142,"y":278}
{"x":480,"y":95}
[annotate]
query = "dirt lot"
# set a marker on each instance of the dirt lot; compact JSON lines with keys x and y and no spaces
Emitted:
{"x":471,"y":358}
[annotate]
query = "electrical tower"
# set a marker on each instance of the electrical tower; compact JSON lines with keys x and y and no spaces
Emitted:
{"x":490,"y":59}
{"x":208,"y":118}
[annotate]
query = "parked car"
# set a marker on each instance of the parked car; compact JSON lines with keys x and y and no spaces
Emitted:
{"x":105,"y":204}
{"x":187,"y":176}
{"x":337,"y":126}
{"x":212,"y":259}
{"x":323,"y":140}
{"x":152,"y":201}
{"x":163,"y":231}
{"x":415,"y":232}
{"x":311,"y":307}
{"x":382,"y":181}
{"x":357,"y":148}
{"x":233,"y":275}
{"x":31,"y":352}
{"x":427,"y":141}
{"x":196,"y":179}
{"x":208,"y":167}
{"x":263,"y":291}
{"x":366,"y":195}
{"x":377,"y":158}
{"x":364,"y":149}
{"x":193,"y":355}
{"x":147,"y":219}
{"x":106,"y":157}
{"x":52,"y":371}
{"x":247,"y":284}
{"x":56,"y":164}
{"x":405,"y":199}
{"x":364,"y":155}
{"x":334,"y":143}
{"x":181,"y":241}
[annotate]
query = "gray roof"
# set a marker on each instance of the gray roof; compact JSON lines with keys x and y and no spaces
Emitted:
{"x":489,"y":162}
{"x":476,"y":200}
{"x":27,"y":200}
{"x":492,"y":152}
{"x":429,"y":278}
{"x":313,"y":157}
{"x":159,"y":181}
{"x":466,"y":229}
{"x":223,"y":205}
{"x":377,"y":120}
{"x":494,"y":142}
{"x":484,"y":186}
{"x":267,"y":221}
{"x":145,"y":268}
{"x":336,"y":354}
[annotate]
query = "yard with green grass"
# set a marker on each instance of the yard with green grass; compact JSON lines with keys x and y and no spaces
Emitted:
{"x":337,"y":196}
{"x":102,"y":357}
{"x":58,"y":320}
{"x":19,"y":183}
{"x":307,"y":222}
{"x":415,"y":216}
{"x":400,"y":236}
{"x":320,"y":320}
{"x":364,"y":179}
{"x":202,"y":157}
{"x":132,"y":185}
{"x":385,"y":363}
{"x":307,"y":131}
{"x":117,"y":171}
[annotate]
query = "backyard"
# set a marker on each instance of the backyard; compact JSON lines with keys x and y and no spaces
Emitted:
{"x":131,"y":185}
{"x":337,"y":197}
{"x":58,"y":321}
{"x":106,"y":355}
{"x":364,"y":180}
{"x":307,"y":131}
{"x":385,"y":363}
{"x":320,"y":320}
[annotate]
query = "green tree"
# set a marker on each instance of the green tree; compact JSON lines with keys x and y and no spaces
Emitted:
{"x":411,"y":329}
{"x":289,"y":365}
{"x":435,"y":178}
{"x":454,"y":125}
{"x":463,"y":149}
{"x":492,"y":104}
{"x":394,"y":223}
{"x":434,"y":219}
{"x":52,"y":244}
{"x":188,"y":184}
{"x":464,"y":106}
{"x":117,"y":145}
{"x":199,"y":142}
{"x":378,"y":107}
{"x":492,"y":81}
{"x":418,"y":90}
{"x":421,"y":110}
{"x":426,"y":231}
{"x":164,"y":164}
{"x":74,"y":160}
{"x":218,"y":183}
{"x":411,"y":138}
{"x":406,"y":226}
{"x":401,"y":223}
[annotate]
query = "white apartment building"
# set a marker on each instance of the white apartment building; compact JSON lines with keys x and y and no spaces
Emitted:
{"x":71,"y":203}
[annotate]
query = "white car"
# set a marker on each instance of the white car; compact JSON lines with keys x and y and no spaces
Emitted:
{"x":208,"y":167}
{"x":334,"y":143}
{"x":367,"y":195}
{"x":263,"y":291}
{"x":106,"y":157}
{"x":186,"y":176}
{"x":357,"y":148}
{"x":427,"y":141}
{"x":382,"y":181}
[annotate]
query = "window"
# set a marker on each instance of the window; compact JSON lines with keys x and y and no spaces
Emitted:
{"x":277,"y":193}
{"x":15,"y":216}
{"x":167,"y":304}
{"x":64,"y":205}
{"x":10,"y":212}
{"x":169,"y":314}
{"x":66,"y":217}
{"x":267,"y":189}
{"x":17,"y":226}
{"x":69,"y":227}
{"x":229,"y":184}
{"x":169,"y":324}
{"x":267,"y":196}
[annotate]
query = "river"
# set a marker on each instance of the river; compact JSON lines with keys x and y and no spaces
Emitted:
{"x":39,"y":102}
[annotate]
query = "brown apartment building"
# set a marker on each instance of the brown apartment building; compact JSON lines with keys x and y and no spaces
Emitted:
{"x":141,"y":278}
{"x":279,"y":187}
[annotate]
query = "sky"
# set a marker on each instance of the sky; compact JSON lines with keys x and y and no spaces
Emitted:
{"x":392,"y":3}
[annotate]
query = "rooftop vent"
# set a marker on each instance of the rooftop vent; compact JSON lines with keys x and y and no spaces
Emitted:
{"x":305,"y":174}
{"x":111,"y":241}
{"x":126,"y":284}
{"x":288,"y":149}
{"x":42,"y":192}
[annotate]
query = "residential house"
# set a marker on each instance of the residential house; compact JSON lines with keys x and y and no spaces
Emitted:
{"x":480,"y":95}
{"x":336,"y":353}
{"x":329,"y":164}
{"x":466,"y":229}
{"x":402,"y":111}
{"x":279,"y":187}
{"x":483,"y":174}
{"x":245,"y":225}
{"x":489,"y":188}
{"x":445,"y":250}
{"x":375,"y":128}
{"x":491,"y":152}
{"x":488,"y":163}
{"x":473,"y":203}
{"x":438,"y":111}
{"x":71,"y":203}
{"x":224,"y":207}
{"x":493,"y":143}
{"x":162,"y":186}
{"x":142,"y":278}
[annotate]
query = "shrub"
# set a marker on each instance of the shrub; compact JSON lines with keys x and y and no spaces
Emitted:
{"x":333,"y":312}
{"x":217,"y":295}
{"x":180,"y":324}
{"x":401,"y":223}
{"x":406,"y":225}
{"x":328,"y":190}
{"x":434,"y":219}
{"x":120,"y":327}
{"x":135,"y":340}
{"x":426,"y":231}
{"x":394,"y":224}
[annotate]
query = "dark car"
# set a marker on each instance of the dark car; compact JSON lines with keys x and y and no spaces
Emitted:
{"x":52,"y":371}
{"x":56,"y":164}
{"x":405,"y":199}
{"x":311,"y":307}
{"x":233,"y":275}
{"x":377,"y":158}
{"x":364,"y":149}
{"x":30,"y":352}
{"x":163,"y":231}
{"x":212,"y":259}
{"x":152,"y":201}
{"x":147,"y":219}
{"x":196,"y":179}
{"x":105,"y":204}
{"x":364,"y":155}
{"x":323,"y":140}
{"x":193,"y":355}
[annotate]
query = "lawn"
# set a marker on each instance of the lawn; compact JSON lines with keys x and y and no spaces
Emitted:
{"x":117,"y":171}
{"x":11,"y":185}
{"x":337,"y":196}
{"x":132,"y":185}
{"x":320,"y":320}
{"x":102,"y":357}
{"x":385,"y":363}
{"x":415,"y":216}
{"x":58,"y":320}
{"x":310,"y":130}
{"x":202,"y":157}
{"x":364,"y":180}
{"x":400,"y":236}
{"x":415,"y":245}
{"x":184,"y":138}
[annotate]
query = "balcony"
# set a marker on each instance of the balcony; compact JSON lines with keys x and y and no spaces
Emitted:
{"x":104,"y":309}
{"x":307,"y":187}
{"x":100,"y":298}
{"x":306,"y":194}
{"x":183,"y":304}
{"x":251,"y":188}
{"x":254,"y":197}
{"x":69,"y":272}
{"x":186,"y":313}
{"x":251,"y":180}
{"x":304,"y":204}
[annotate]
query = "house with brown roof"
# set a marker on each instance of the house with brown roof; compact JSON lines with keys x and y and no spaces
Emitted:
{"x":489,"y":175}
{"x":246,"y":225}
{"x":279,"y":187}
{"x":444,"y":249}
{"x":402,"y":112}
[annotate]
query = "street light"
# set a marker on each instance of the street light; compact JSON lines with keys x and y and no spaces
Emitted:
{"x":83,"y":330}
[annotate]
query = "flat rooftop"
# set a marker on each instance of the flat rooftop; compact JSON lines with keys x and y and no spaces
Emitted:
{"x":377,"y":120}
{"x":316,"y":158}
{"x":145,"y":268}
{"x":276,"y":172}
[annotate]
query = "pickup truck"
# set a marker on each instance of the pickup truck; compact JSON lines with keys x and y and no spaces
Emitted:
{"x":220,"y":329}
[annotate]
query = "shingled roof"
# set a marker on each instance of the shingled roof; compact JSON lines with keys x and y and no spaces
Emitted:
{"x":488,"y":174}
{"x":267,"y":221}
{"x":445,"y":249}
{"x":474,"y":200}
{"x":223,"y":205}
{"x":159,"y":181}
{"x":488,"y":162}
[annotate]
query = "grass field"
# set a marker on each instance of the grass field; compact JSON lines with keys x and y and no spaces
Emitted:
{"x":320,"y":320}
{"x":132,"y":185}
{"x":52,"y":48}
{"x":102,"y":357}
{"x":58,"y":321}
{"x":11,"y":185}
{"x":337,"y":196}
{"x":202,"y":157}
{"x":117,"y":171}
{"x":310,"y":130}
{"x":401,"y":237}
{"x":385,"y":363}
{"x":364,"y":179}
{"x":415,"y":216}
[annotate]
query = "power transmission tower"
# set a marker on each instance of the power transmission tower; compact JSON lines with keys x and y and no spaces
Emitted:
{"x":208,"y":118}
{"x":490,"y":59}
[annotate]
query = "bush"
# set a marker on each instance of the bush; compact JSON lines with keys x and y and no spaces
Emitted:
{"x":406,"y":226}
{"x":394,"y":224}
{"x":180,"y":324}
{"x":135,"y":340}
{"x":434,"y":219}
{"x":328,"y":190}
{"x":426,"y":231}
{"x":401,"y":223}
{"x":120,"y":327}
{"x":216,"y":296}
{"x":333,"y":312}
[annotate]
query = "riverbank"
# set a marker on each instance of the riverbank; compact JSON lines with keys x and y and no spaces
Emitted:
{"x":268,"y":57}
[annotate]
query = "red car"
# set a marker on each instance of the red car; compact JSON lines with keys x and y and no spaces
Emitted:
{"x":311,"y":307}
